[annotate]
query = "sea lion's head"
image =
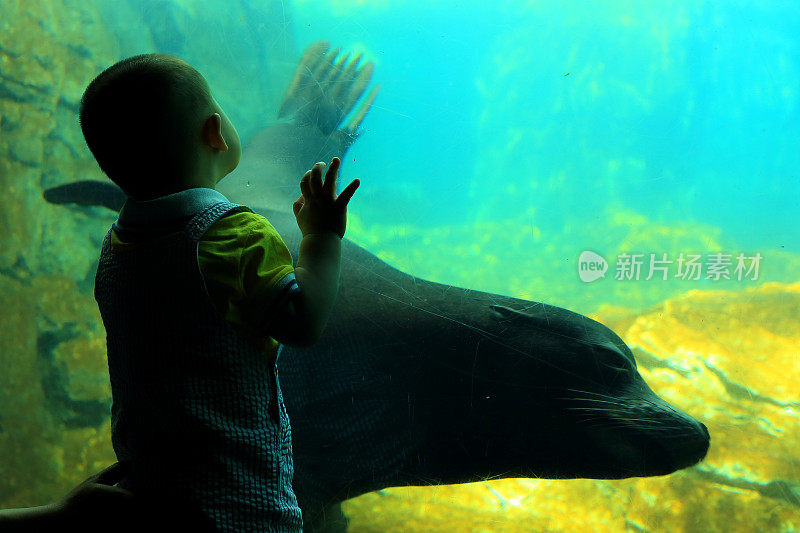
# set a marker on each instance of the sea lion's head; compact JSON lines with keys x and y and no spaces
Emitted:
{"x":582,"y":408}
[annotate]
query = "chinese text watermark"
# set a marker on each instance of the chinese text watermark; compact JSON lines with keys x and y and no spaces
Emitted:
{"x":714,"y":267}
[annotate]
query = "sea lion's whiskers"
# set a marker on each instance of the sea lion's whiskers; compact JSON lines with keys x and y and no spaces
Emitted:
{"x":592,"y":400}
{"x":607,"y":410}
{"x":641,"y":425}
{"x":591,"y":393}
{"x":607,"y":423}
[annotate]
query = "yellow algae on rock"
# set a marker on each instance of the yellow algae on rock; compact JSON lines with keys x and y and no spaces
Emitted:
{"x":750,"y":338}
{"x":732,"y":359}
{"x":56,"y":394}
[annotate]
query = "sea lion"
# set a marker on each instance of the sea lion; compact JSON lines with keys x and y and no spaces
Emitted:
{"x":421,"y":383}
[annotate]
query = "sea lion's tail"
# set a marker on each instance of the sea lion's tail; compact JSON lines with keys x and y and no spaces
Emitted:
{"x":87,"y":192}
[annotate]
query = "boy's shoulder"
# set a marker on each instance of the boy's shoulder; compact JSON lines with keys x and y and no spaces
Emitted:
{"x":244,"y":217}
{"x":242,"y":224}
{"x":248,"y":218}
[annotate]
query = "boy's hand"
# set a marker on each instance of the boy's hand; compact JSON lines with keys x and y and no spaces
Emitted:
{"x":318,"y":209}
{"x":97,"y":501}
{"x":98,"y":505}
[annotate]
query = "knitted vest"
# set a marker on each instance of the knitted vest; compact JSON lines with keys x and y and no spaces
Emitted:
{"x":197,"y":408}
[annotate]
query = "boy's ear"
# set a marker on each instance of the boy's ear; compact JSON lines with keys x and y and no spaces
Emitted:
{"x":212,"y":132}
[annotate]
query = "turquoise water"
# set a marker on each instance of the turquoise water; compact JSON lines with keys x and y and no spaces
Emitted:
{"x":616,"y":127}
{"x":682,"y":111}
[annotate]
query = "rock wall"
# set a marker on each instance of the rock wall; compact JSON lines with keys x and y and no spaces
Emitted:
{"x":54,"y":391}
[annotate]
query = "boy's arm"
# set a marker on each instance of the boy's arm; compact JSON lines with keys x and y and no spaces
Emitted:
{"x":322,"y":219}
{"x":303,"y":318}
{"x":93,"y":505}
{"x":33,"y":519}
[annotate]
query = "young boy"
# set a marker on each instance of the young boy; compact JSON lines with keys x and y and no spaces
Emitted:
{"x":198,"y":295}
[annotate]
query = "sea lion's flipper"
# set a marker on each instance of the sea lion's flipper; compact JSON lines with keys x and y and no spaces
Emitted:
{"x":319,"y":118}
{"x":87,"y":192}
{"x":325,"y":88}
{"x":312,"y":56}
{"x":355,"y":122}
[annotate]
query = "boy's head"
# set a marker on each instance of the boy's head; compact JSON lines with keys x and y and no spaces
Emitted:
{"x":154,"y":127}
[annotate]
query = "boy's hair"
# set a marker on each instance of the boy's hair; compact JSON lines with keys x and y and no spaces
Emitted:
{"x":140,"y":117}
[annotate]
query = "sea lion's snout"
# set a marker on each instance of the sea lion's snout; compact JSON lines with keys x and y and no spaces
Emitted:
{"x":683,"y":440}
{"x":688,"y":450}
{"x":696,"y":448}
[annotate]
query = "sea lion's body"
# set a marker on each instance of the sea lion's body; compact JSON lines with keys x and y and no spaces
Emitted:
{"x":417,"y":383}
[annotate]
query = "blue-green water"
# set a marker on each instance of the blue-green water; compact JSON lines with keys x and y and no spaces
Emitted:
{"x":617,"y":127}
{"x":681,"y":111}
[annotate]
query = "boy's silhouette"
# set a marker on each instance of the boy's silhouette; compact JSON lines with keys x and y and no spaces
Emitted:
{"x":162,"y":103}
{"x":197,"y":296}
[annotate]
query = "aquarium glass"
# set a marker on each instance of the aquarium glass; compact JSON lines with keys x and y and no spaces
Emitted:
{"x":634,"y":162}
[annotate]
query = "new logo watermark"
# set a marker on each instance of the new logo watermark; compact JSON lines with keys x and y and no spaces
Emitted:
{"x":592,"y":266}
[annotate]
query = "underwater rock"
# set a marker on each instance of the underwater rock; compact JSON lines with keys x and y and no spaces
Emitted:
{"x":731,"y":358}
{"x":51,"y":49}
{"x":54,"y":392}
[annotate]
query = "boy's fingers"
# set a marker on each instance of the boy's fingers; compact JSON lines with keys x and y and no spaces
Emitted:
{"x":347,"y":193}
{"x":305,"y":188}
{"x":113,"y":474}
{"x":316,"y":178}
{"x":298,"y":205}
{"x":116,"y":494}
{"x":329,"y":187}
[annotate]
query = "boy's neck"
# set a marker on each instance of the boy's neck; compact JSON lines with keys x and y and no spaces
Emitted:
{"x":178,"y":187}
